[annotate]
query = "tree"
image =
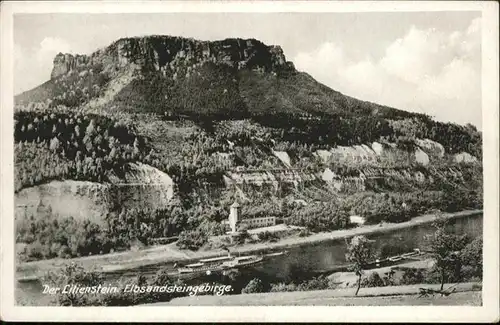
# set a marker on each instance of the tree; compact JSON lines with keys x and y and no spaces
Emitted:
{"x":412,"y":275}
{"x":254,"y":286}
{"x":191,"y":240}
{"x":445,"y":249}
{"x":73,"y":274}
{"x":359,"y":252}
{"x":472,"y":258}
{"x":373,"y":280}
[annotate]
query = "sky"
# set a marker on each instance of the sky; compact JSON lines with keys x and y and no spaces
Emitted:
{"x":426,"y":62}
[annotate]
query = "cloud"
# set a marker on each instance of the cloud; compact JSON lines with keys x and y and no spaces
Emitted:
{"x":50,"y":46}
{"x":33,"y":66}
{"x":426,"y":71}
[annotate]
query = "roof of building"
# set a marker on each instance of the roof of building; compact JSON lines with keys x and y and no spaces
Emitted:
{"x":235,"y":205}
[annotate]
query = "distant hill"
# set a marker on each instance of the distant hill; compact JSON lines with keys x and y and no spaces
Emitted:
{"x":232,"y":77}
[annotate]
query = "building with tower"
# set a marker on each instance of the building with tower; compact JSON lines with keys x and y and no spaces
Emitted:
{"x":235,"y":219}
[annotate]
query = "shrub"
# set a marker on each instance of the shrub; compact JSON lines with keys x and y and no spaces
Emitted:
{"x":35,"y":250}
{"x":191,"y":240}
{"x":242,"y":236}
{"x":412,"y":276}
{"x":304,"y":232}
{"x":74,"y":274}
{"x":317,"y":283}
{"x":321,"y":216}
{"x":268,"y":236}
{"x":471,"y":257}
{"x":373,"y":280}
{"x":282,"y":287}
{"x":254,"y":286}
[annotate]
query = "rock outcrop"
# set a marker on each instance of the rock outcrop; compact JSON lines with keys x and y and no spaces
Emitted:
{"x":377,"y":154}
{"x":233,"y":76}
{"x":464,"y":157}
{"x":81,"y":200}
{"x":142,"y":186}
{"x":421,"y":157}
{"x":272,"y":177}
{"x":64,"y":63}
{"x":283,"y":157}
{"x":162,"y":53}
{"x":430,"y":147}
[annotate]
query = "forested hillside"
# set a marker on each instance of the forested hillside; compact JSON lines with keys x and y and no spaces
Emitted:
{"x":228,"y":120}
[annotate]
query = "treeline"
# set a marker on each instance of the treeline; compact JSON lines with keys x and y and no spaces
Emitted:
{"x":400,"y":207}
{"x":326,"y":130}
{"x":76,"y":275}
{"x":333,"y":213}
{"x":72,"y":146}
{"x":455,"y":138}
{"x":322,"y":216}
{"x":199,"y":89}
{"x":48,"y":236}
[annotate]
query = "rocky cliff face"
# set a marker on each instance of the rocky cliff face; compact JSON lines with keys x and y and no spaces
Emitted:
{"x":426,"y":152}
{"x":163,"y":53}
{"x":376,"y":154}
{"x":272,"y":177}
{"x":81,"y":200}
{"x":231,"y":77}
{"x":163,"y":73}
{"x":64,"y":63}
{"x":141,"y":187}
{"x":357,"y":168}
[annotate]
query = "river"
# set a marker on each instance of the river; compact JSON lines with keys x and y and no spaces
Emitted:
{"x":302,"y":261}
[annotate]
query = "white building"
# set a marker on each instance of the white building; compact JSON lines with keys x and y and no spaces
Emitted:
{"x":260,"y":222}
{"x":358,"y":220}
{"x":251,"y":223}
{"x":233,"y":216}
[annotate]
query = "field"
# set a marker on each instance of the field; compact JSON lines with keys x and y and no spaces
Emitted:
{"x":348,"y":279}
{"x":468,"y":294}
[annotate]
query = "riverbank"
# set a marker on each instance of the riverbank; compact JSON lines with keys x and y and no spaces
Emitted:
{"x":130,"y":260}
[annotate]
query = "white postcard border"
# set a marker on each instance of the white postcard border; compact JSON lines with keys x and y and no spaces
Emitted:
{"x":490,"y":51}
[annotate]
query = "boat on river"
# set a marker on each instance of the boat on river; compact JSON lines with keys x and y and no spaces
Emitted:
{"x":393,"y":260}
{"x":220,"y":264}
